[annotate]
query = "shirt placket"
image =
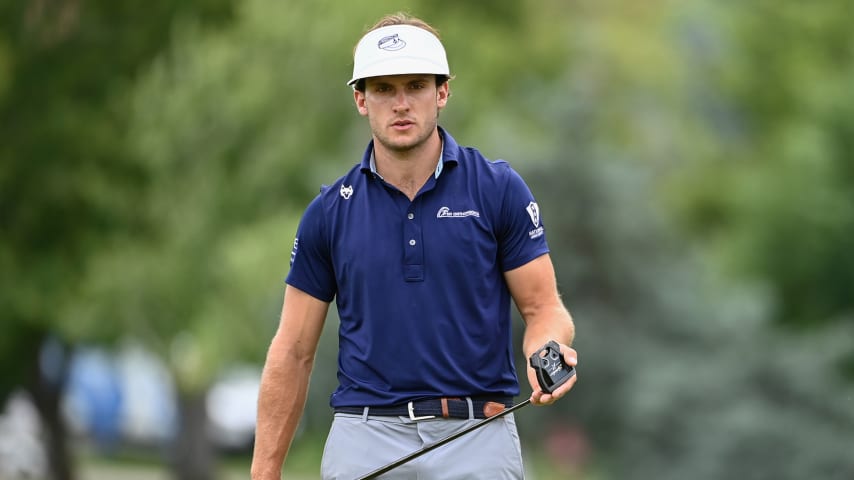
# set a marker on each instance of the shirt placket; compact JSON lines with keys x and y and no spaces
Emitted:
{"x":413,"y":258}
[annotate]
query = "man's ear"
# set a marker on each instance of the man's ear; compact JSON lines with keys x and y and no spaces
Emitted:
{"x":361,"y":104}
{"x":443,"y":92}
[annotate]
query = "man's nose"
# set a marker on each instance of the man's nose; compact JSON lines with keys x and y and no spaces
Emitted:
{"x":401,"y":102}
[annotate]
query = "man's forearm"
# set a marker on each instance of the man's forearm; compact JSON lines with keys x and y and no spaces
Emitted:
{"x":281,"y":401}
{"x":553,"y":323}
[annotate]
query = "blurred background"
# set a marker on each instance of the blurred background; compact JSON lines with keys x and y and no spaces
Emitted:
{"x":694,"y":164}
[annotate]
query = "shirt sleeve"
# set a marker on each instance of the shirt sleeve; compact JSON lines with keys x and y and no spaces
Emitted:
{"x":311,"y":264}
{"x":521,"y":233}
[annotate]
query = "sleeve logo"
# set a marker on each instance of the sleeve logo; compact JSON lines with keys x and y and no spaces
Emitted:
{"x":534,"y":212}
{"x":294,"y":251}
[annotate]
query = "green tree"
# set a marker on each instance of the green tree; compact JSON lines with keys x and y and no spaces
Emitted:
{"x":683,"y":375}
{"x":776,"y":204}
{"x":65,"y":183}
{"x":703,"y":385}
{"x":231,"y":127}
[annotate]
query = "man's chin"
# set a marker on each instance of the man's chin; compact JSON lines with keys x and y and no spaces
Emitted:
{"x":399,"y":144}
{"x":402,"y":146}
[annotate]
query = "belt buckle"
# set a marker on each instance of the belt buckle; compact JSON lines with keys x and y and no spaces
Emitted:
{"x":410,"y":407}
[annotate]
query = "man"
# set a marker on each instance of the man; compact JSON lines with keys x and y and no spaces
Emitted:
{"x":424,"y":243}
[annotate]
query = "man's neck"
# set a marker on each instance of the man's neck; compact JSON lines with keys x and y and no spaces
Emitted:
{"x":408,"y":170}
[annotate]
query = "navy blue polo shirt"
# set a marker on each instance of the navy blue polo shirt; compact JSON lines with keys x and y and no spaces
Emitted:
{"x":424,"y":309}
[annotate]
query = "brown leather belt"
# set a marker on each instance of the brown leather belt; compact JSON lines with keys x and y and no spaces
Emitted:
{"x":436,"y":408}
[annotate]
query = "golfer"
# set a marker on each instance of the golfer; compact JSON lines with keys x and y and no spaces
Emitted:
{"x":422,"y":245}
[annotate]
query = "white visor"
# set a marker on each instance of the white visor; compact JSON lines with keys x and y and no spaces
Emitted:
{"x":398,"y":50}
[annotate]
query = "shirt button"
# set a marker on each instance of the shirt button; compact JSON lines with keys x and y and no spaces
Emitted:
{"x":410,"y":216}
{"x":412,"y":242}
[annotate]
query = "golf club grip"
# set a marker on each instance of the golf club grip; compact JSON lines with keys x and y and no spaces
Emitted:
{"x":376,"y":473}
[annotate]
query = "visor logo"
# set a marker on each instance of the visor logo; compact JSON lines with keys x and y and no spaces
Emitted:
{"x":391,"y":43}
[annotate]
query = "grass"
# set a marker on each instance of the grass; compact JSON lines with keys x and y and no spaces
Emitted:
{"x":129,"y":464}
{"x":100,"y":469}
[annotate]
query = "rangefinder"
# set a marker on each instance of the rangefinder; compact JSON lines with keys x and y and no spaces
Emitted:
{"x":550,"y":367}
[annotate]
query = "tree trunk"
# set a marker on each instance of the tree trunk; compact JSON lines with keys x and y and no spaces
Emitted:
{"x":194,"y":453}
{"x":49,"y":364}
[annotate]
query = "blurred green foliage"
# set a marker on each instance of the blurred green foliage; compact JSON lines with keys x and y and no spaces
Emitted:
{"x":692,"y":161}
{"x":778,"y":204}
{"x":66,"y":182}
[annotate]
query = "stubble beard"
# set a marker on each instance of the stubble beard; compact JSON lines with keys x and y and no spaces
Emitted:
{"x":406,"y":145}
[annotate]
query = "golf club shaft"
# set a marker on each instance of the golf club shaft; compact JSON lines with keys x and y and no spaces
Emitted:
{"x":376,"y":473}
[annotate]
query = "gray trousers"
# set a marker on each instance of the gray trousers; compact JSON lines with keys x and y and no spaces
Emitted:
{"x":360,"y":444}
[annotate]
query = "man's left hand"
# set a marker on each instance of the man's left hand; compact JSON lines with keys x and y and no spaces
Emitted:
{"x":539,"y":397}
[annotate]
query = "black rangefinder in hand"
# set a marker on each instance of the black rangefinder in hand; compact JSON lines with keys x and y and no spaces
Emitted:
{"x":552,"y":371}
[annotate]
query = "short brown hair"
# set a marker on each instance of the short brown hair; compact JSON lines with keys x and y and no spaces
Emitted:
{"x":401,"y":18}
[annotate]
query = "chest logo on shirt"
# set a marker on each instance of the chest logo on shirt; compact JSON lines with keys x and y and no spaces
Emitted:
{"x":346,"y":191}
{"x":446,"y":212}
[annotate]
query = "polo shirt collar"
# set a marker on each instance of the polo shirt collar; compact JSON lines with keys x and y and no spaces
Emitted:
{"x":447,"y":155}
